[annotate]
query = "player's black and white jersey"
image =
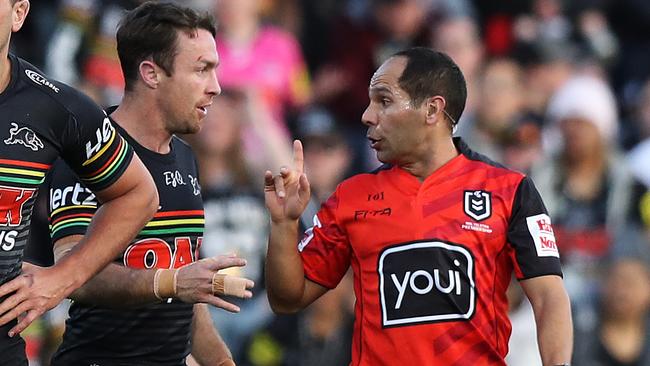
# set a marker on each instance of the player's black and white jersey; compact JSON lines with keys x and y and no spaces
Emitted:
{"x":40,"y":120}
{"x":156,"y":334}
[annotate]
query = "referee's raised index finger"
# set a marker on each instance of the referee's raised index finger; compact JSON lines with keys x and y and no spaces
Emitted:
{"x":298,"y":158}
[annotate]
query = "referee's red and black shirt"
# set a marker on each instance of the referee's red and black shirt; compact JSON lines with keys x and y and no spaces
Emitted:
{"x":432,"y":259}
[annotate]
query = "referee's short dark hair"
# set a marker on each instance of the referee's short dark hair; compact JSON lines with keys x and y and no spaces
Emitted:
{"x":150,"y":31}
{"x":429,"y":73}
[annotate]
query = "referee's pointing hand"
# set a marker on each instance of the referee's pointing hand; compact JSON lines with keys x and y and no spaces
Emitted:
{"x":287,"y":194}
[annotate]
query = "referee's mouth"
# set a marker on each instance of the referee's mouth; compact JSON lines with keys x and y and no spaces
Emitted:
{"x":374,"y":142}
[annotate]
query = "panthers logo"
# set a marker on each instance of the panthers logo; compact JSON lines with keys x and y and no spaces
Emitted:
{"x":23,"y":136}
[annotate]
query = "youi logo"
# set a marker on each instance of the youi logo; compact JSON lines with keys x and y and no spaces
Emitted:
{"x":425,"y":282}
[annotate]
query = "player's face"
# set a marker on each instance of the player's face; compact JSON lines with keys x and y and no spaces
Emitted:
{"x":12,"y":17}
{"x":395,"y":127}
{"x":188,"y":92}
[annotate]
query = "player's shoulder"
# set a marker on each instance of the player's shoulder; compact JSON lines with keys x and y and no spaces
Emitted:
{"x":58,"y":94}
{"x":363,"y":181}
{"x":486,"y":165}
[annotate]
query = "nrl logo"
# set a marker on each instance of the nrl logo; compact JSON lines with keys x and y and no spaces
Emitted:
{"x":23,"y":136}
{"x":478,"y":204}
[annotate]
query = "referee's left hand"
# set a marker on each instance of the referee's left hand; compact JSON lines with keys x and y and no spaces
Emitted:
{"x":35,"y":291}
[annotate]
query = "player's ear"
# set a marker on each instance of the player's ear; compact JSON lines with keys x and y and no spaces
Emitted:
{"x":434,"y":109}
{"x":18,"y":14}
{"x":149,"y":73}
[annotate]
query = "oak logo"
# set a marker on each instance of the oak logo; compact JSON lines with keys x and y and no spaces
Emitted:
{"x":426,"y":282}
{"x":478,"y":204}
{"x":12,"y":201}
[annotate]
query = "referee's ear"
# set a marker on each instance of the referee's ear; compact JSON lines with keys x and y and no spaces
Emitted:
{"x":19,"y":12}
{"x":149,"y":74}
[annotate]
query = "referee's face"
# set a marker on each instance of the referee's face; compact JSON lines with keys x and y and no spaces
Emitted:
{"x":186,"y":95}
{"x":396,"y":128}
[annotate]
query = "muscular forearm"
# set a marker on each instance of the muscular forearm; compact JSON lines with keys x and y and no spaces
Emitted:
{"x":285,"y":279}
{"x":118,"y":287}
{"x":207,"y":346}
{"x":113,"y":226}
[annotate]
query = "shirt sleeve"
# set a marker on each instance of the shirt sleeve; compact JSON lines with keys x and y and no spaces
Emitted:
{"x":530,"y":234}
{"x":71,"y":205}
{"x":325,"y":248}
{"x":93,"y":148}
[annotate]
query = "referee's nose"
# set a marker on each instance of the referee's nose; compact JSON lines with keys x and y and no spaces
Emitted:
{"x":369,"y":116}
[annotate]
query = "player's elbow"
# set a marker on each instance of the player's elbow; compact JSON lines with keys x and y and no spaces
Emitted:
{"x":283,"y":305}
{"x":284,"y":309}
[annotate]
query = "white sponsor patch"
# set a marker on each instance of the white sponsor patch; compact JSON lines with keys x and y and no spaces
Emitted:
{"x":541,"y":230}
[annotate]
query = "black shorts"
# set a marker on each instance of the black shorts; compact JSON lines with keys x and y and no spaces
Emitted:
{"x":12,"y":349}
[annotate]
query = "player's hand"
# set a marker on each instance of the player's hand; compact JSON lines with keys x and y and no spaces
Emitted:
{"x":35,"y":291}
{"x":287,"y":194}
{"x":194,"y":281}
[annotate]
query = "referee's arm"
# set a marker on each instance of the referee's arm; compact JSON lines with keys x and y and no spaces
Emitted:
{"x":553,"y":317}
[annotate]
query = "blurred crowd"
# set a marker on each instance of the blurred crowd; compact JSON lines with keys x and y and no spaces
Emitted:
{"x":557,"y":89}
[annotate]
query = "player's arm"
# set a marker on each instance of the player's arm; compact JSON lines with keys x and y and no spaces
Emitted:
{"x":553,"y":318}
{"x":118,"y":286}
{"x":537,"y":266}
{"x":287,"y":195}
{"x":208,"y":349}
{"x":129,"y":202}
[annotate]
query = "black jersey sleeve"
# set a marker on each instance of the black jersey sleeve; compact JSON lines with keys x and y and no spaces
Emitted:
{"x":91,"y":146}
{"x":71,"y":205}
{"x":531,"y":235}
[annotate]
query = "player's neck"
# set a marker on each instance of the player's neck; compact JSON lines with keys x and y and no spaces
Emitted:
{"x":144,"y":124}
{"x":435,"y":156}
{"x":5,"y":72}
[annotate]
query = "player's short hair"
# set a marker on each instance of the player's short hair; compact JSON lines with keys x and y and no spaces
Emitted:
{"x":429,"y":73}
{"x":150,"y":31}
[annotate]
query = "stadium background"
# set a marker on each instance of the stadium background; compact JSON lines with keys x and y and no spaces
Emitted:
{"x":557,"y":89}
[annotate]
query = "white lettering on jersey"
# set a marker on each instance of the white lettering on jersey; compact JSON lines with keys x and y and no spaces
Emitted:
{"x":40,"y":79}
{"x":196,"y":187}
{"x":8,"y":239}
{"x":541,"y":230}
{"x":174,"y":179}
{"x":71,"y":195}
{"x":102,"y":135}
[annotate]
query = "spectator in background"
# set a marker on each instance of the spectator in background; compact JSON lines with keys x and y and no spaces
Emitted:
{"x":546,"y":68}
{"x":262,"y":58}
{"x":327,"y":157}
{"x":584,"y":182}
{"x":320,"y":336}
{"x":459,"y":37}
{"x":501,"y":92}
{"x":341,"y":84}
{"x":620,"y":335}
{"x":235,"y":216}
{"x":82,"y":51}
